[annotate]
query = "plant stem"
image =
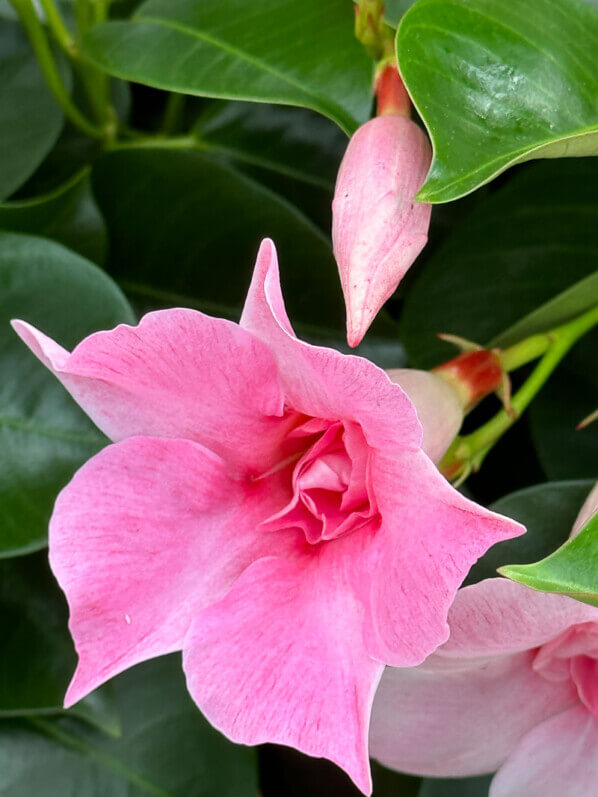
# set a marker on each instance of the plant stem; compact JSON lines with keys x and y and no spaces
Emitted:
{"x":58,"y":27}
{"x":41,"y":47}
{"x":467,"y":453}
{"x":173,"y":113}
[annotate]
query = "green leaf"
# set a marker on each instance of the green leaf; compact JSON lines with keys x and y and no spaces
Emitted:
{"x":571,"y":570}
{"x":548,"y":511}
{"x":38,"y":658}
{"x":570,"y":395}
{"x":167,"y":748}
{"x":273,"y":52}
{"x":521,"y":251}
{"x":456,"y":787}
{"x":571,"y":302}
{"x":44,"y":436}
{"x":67,"y":215}
{"x":498,"y":82}
{"x":30,"y":118}
{"x":185,"y":229}
{"x":290,"y":141}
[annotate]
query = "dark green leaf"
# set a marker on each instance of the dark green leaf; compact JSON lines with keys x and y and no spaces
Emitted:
{"x":522,"y":247}
{"x":498,"y":82}
{"x":456,"y":787}
{"x":395,"y":10}
{"x":167,"y":749}
{"x":67,"y":215}
{"x":571,"y":570}
{"x":569,"y":396}
{"x":44,"y":437}
{"x":292,"y":141}
{"x":273,"y":52}
{"x":184,"y":229}
{"x":30,"y":118}
{"x":38,"y":658}
{"x":548,"y":511}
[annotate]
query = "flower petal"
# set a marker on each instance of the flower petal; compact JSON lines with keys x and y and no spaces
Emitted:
{"x":281,"y":659}
{"x":429,"y":538}
{"x":587,"y":512}
{"x":178,"y":373}
{"x":322,"y":382}
{"x":558,"y":758}
{"x":459,"y":718}
{"x":500,"y":616}
{"x":146,"y":534}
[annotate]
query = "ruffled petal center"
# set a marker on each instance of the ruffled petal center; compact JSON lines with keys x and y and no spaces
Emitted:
{"x":573,"y":655}
{"x":331,"y":483}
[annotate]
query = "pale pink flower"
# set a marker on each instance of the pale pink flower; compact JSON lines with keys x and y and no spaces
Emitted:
{"x":378,"y":228}
{"x":266,"y":508}
{"x":515,"y":689}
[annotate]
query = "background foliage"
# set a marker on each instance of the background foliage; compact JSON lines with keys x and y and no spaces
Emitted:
{"x":231,"y":128}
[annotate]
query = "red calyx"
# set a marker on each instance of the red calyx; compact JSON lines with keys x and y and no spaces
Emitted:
{"x":391,"y":95}
{"x":474,"y":374}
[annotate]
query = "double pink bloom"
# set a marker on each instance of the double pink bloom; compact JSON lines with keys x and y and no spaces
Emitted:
{"x":266,"y":508}
{"x":515,"y":689}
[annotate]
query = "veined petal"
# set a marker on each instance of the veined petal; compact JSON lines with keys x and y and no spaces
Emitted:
{"x":454,"y":718}
{"x":429,"y":538}
{"x":559,"y":758}
{"x":281,"y":659}
{"x":323,"y":382}
{"x":178,"y":373}
{"x":146,"y":534}
{"x":500,"y":616}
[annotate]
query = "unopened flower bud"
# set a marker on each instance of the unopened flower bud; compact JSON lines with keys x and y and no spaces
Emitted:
{"x":391,"y":95}
{"x":438,"y":405}
{"x":378,"y":229}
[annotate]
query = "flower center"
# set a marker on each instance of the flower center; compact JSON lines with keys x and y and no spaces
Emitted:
{"x":330,"y":481}
{"x":573,"y":655}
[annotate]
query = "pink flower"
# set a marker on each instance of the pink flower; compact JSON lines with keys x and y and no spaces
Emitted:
{"x":515,"y":689}
{"x":266,"y":508}
{"x":378,"y":229}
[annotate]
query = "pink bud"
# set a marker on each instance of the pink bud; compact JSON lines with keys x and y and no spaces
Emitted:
{"x":587,"y":512}
{"x":378,"y":229}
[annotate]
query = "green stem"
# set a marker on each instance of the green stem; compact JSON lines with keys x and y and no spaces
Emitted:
{"x":58,"y":27}
{"x":41,"y":47}
{"x":467,"y":453}
{"x":173,"y":113}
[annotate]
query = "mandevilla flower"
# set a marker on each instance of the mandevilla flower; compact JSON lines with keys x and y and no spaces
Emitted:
{"x":266,"y":508}
{"x":378,"y":228}
{"x":515,"y":688}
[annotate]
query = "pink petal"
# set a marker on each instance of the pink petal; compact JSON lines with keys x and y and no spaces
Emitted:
{"x":146,"y":534}
{"x":438,"y":406}
{"x":459,"y":718}
{"x":500,"y":616}
{"x":378,"y":228}
{"x":322,"y":382}
{"x":559,"y":758}
{"x":179,"y":373}
{"x":587,"y":512}
{"x":281,"y":659}
{"x":429,"y":538}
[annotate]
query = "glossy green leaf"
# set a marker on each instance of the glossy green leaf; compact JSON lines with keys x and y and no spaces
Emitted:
{"x":498,"y":82}
{"x":185,"y":230}
{"x":293,"y":142}
{"x":518,"y":255}
{"x":167,"y":749}
{"x":67,"y":215}
{"x":548,"y":511}
{"x":273,"y":52}
{"x":569,"y":396}
{"x":38,"y":658}
{"x":571,"y":570}
{"x":566,"y":305}
{"x":44,"y":436}
{"x":30,"y":118}
{"x":456,"y":787}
